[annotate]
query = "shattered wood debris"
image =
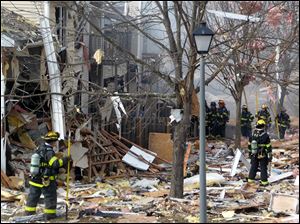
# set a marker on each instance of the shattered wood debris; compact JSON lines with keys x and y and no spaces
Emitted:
{"x":105,"y":155}
{"x":126,"y":191}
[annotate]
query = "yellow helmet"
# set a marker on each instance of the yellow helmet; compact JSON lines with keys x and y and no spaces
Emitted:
{"x":261,"y":122}
{"x":264,"y":106}
{"x":51,"y":136}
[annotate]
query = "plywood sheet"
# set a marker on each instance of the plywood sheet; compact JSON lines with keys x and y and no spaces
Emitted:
{"x":132,"y":159}
{"x":162,"y":144}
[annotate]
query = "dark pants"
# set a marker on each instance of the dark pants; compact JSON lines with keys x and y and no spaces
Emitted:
{"x":214,"y":129}
{"x":50,"y":196}
{"x":78,"y":175}
{"x":222,"y":130}
{"x":206,"y":130}
{"x":282,"y":132}
{"x":246,"y":131}
{"x":263,"y":163}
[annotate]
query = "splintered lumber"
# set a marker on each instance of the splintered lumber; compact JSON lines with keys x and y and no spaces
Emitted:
{"x":5,"y":180}
{"x":124,"y":147}
{"x":148,"y":151}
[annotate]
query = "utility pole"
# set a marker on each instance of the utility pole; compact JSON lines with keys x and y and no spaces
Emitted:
{"x":58,"y":123}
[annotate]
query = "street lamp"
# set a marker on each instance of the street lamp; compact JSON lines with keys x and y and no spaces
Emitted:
{"x":203,"y":37}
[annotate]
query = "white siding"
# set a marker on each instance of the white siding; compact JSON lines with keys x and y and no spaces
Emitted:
{"x":31,"y":10}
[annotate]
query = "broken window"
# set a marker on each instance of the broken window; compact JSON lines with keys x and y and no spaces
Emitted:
{"x":61,"y":22}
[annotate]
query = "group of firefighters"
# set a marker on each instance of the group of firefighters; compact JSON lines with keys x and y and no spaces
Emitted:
{"x":259,"y":144}
{"x":282,"y":120}
{"x":216,"y":119}
{"x":45,"y":164}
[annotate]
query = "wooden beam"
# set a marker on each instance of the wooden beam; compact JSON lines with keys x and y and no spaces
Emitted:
{"x":108,"y":161}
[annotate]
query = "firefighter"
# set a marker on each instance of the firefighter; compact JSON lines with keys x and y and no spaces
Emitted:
{"x":284,"y":121}
{"x":213,"y":119}
{"x":264,"y":114}
{"x":246,"y":120}
{"x":260,"y":152}
{"x":44,"y":170}
{"x":223,"y":118}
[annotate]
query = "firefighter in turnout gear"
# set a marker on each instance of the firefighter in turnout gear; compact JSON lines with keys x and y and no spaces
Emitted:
{"x":213,"y":119}
{"x":284,"y":121}
{"x":264,"y":114}
{"x":223,"y":118}
{"x":246,"y":120}
{"x":260,"y":151}
{"x":44,"y":170}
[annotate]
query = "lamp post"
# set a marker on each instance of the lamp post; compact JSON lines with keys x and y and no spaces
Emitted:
{"x":203,"y":37}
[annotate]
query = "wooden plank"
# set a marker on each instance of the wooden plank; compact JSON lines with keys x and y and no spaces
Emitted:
{"x":108,"y":161}
{"x":161,"y":144}
{"x":279,"y":177}
{"x":95,"y":171}
{"x":186,"y":157}
{"x":103,"y":167}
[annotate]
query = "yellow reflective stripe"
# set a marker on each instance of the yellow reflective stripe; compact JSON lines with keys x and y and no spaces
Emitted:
{"x":30,"y":209}
{"x":261,"y":144}
{"x":268,"y":145}
{"x":264,"y":182}
{"x":52,"y":160}
{"x":50,"y":211}
{"x":36,"y":184}
{"x":60,"y":162}
{"x":52,"y":177}
{"x":250,"y":180}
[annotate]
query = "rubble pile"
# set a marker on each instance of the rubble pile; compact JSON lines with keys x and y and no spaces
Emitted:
{"x":125,"y":185}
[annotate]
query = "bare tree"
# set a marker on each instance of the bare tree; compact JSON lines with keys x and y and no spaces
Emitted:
{"x":178,"y":19}
{"x":254,"y":59}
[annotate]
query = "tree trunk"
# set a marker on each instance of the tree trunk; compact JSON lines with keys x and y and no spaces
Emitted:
{"x":178,"y":157}
{"x":179,"y":148}
{"x":238,"y":102}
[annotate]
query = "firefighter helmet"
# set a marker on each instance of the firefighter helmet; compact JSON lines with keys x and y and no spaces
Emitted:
{"x":264,"y":106}
{"x":51,"y":136}
{"x":245,"y":107}
{"x":221,"y":102}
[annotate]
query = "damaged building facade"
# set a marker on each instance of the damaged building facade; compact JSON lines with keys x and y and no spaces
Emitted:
{"x":30,"y":110}
{"x":31,"y":77}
